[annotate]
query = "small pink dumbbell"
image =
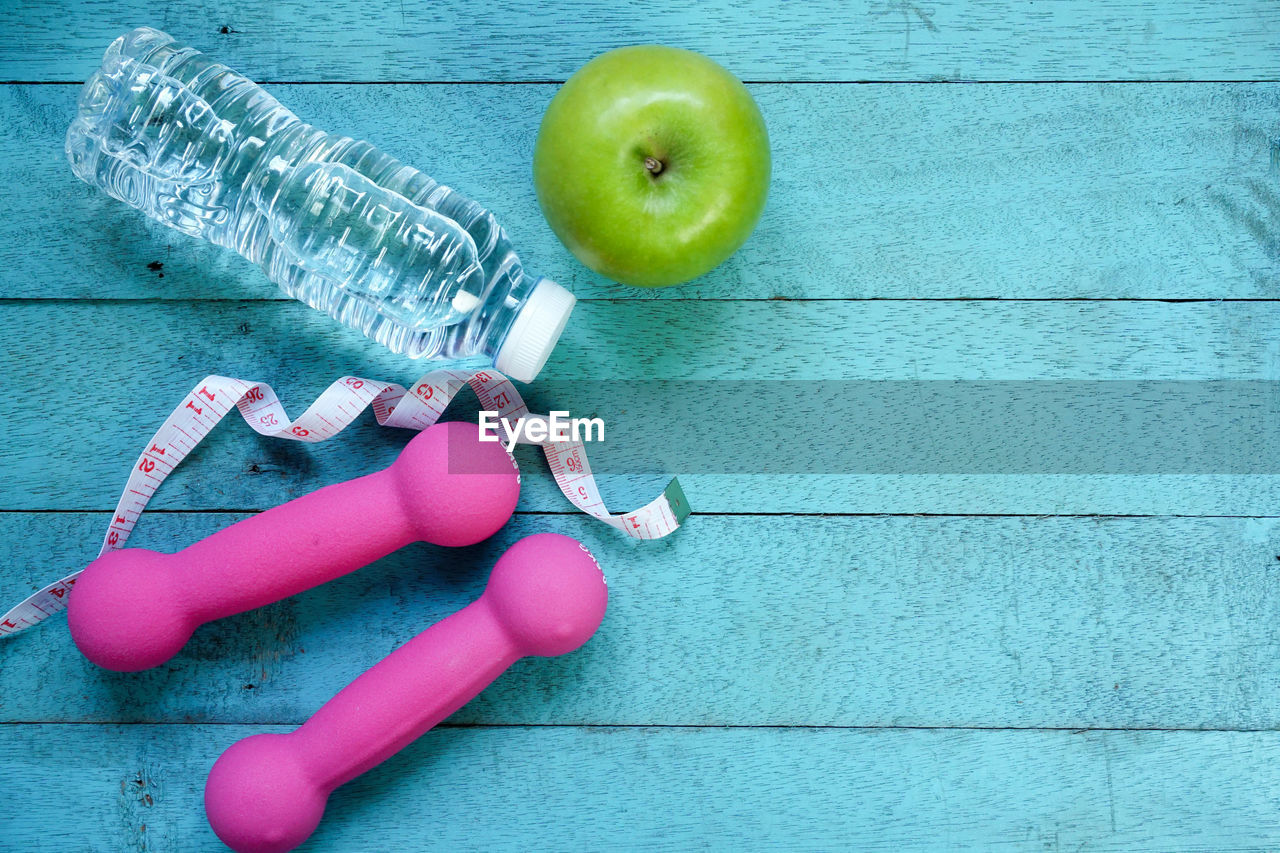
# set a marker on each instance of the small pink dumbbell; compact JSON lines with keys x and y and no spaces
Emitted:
{"x":133,"y":608}
{"x":267,"y":793}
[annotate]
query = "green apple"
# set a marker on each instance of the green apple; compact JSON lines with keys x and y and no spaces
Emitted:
{"x":652,"y":165}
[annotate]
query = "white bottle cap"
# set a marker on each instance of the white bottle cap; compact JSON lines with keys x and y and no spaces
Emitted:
{"x":534,"y":331}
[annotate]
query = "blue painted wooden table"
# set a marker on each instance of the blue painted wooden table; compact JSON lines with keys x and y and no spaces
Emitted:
{"x":984,"y":190}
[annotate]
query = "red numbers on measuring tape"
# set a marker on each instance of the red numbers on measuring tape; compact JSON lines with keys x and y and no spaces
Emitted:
{"x":205,"y":392}
{"x":268,"y":420}
{"x":425,"y":390}
{"x":192,"y":405}
{"x":60,"y":592}
{"x":146,"y":466}
{"x":300,"y":432}
{"x":254,"y":394}
{"x":352,"y":382}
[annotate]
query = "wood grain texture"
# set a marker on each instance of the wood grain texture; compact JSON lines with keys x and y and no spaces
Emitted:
{"x":957,"y":622}
{"x":163,"y":349}
{"x":976,"y":678}
{"x":140,"y":788}
{"x":879,"y":191}
{"x":513,"y":40}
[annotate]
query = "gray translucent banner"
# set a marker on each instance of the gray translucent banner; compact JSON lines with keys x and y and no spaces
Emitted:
{"x":924,"y":427}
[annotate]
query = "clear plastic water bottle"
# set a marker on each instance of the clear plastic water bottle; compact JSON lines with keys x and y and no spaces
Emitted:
{"x":335,"y":222}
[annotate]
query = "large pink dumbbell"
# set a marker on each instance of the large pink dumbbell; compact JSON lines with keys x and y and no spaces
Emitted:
{"x":133,"y":608}
{"x":267,"y":793}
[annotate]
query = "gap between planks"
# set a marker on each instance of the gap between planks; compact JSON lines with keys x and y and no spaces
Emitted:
{"x":604,"y":300}
{"x":677,"y":726}
{"x":709,"y":514}
{"x":856,"y":82}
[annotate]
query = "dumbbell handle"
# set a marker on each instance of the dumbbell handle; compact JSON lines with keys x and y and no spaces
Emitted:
{"x":404,"y":695}
{"x":292,"y":547}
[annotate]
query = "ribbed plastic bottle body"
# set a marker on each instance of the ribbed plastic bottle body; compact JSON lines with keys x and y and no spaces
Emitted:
{"x":335,"y":222}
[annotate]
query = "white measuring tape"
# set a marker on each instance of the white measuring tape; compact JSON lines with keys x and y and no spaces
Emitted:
{"x":338,"y":406}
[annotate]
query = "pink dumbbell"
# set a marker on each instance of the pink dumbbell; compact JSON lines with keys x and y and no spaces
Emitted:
{"x":133,"y":608}
{"x":267,"y":793}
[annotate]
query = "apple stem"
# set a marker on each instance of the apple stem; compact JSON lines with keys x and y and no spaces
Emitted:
{"x":654,"y":165}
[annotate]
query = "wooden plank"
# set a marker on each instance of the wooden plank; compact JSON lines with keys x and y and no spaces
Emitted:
{"x":102,"y":377}
{"x":140,"y":787}
{"x":774,"y":620}
{"x":1099,"y":191}
{"x":757,"y":39}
